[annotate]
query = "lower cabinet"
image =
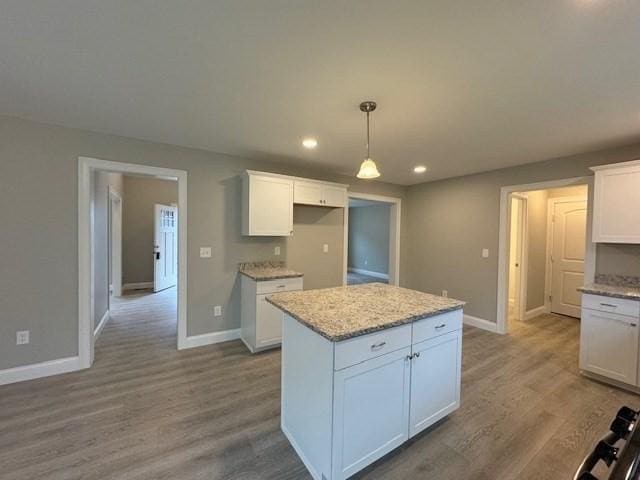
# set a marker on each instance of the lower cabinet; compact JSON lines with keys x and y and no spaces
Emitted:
{"x":609,"y":345}
{"x":371,"y":411}
{"x":347,"y":404}
{"x":435,"y":380}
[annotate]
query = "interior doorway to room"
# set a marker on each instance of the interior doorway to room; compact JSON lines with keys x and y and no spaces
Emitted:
{"x":547,"y":252}
{"x":372,"y":240}
{"x":131,"y":242}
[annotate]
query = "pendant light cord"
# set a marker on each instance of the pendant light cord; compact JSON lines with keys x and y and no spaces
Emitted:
{"x":368,"y":153}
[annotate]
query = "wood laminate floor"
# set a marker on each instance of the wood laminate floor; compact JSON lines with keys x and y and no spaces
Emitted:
{"x":147,"y":411}
{"x":354,"y":278}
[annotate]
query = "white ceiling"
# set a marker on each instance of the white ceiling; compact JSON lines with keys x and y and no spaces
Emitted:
{"x":462,"y":86}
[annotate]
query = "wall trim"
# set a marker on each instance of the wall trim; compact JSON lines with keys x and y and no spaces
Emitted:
{"x":370,"y":273}
{"x":480,"y":323}
{"x":39,"y":370}
{"x":137,"y":286}
{"x":103,"y":321}
{"x":535,"y":312}
{"x":194,"y":341}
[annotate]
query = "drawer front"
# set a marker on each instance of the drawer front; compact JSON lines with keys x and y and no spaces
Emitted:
{"x":356,"y":350}
{"x":280,"y":285}
{"x":435,"y":326}
{"x":620,"y":306}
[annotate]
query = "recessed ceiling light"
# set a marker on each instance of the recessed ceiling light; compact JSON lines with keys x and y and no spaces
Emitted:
{"x":309,"y":143}
{"x":420,"y":169}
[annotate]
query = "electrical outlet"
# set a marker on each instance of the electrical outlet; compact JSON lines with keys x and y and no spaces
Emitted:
{"x":217,"y":311}
{"x":445,"y":293}
{"x":205,"y":252}
{"x":366,"y":262}
{"x":276,"y":251}
{"x":325,"y":248}
{"x":22,"y":337}
{"x":485,"y":253}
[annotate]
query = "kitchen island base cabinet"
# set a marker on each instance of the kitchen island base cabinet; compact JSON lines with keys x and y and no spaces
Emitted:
{"x":345,"y":406}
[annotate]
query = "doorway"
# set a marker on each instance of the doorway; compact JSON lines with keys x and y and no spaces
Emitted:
{"x":371,"y":239}
{"x":87,"y":291}
{"x":545,"y":251}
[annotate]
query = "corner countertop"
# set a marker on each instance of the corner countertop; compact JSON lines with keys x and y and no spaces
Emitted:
{"x":345,"y":312}
{"x":615,"y":291}
{"x":263,"y":271}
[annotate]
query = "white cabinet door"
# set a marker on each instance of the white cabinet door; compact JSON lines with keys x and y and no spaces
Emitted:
{"x":270,"y":206}
{"x":616,"y":216}
{"x":435,"y":380}
{"x":268,"y":323}
{"x":609,"y":345}
{"x":371,"y":411}
{"x":334,"y":196}
{"x":307,"y":193}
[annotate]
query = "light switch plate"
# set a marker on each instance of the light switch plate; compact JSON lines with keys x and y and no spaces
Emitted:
{"x":22,"y":337}
{"x":217,"y":311}
{"x":485,"y":253}
{"x":276,"y":251}
{"x":325,"y":248}
{"x":205,"y":252}
{"x":445,"y":293}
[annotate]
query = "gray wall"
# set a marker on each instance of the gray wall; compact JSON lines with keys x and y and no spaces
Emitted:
{"x":101,"y":181}
{"x":451,"y":220}
{"x":41,"y":293}
{"x":537,"y":242}
{"x":138,"y":224}
{"x":312,"y":228}
{"x":369,"y":238}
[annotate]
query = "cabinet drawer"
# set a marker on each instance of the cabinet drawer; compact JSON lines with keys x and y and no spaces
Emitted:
{"x":356,"y":350}
{"x":435,"y":326}
{"x":280,"y":285}
{"x":620,"y":306}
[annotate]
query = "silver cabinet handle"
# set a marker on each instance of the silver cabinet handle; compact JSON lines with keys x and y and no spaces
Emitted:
{"x":438,"y":327}
{"x":280,"y":286}
{"x":415,"y":355}
{"x":633,"y":324}
{"x":378,"y":346}
{"x":608,"y":305}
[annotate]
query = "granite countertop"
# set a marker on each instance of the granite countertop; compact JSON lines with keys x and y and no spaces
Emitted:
{"x":617,"y":286}
{"x":344,"y":312}
{"x":262,"y":271}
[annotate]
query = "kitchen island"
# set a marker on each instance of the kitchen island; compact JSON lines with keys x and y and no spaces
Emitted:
{"x":365,"y":368}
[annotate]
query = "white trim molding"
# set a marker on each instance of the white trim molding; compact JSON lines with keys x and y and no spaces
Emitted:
{"x":480,"y":323}
{"x":394,"y":234}
{"x":137,"y":286}
{"x":369,"y":273}
{"x":211,"y":338}
{"x":38,"y":370}
{"x":103,"y":321}
{"x":503,"y":238}
{"x":534,"y":312}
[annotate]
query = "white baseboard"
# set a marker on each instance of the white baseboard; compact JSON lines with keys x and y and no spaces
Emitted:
{"x":480,"y":323}
{"x":39,"y":370}
{"x":533,"y":313}
{"x":137,"y":286}
{"x":101,"y":324}
{"x":211,"y":338}
{"x":369,"y":273}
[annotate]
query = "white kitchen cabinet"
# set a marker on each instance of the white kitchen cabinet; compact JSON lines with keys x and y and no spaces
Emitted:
{"x":346,"y":404}
{"x":371,"y":411}
{"x":261,"y":322}
{"x":267,"y":204}
{"x":322,"y":194}
{"x":435,"y":380}
{"x":616,"y":216}
{"x":609,"y":341}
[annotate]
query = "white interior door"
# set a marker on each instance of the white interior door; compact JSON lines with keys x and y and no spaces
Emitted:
{"x":115,"y":244}
{"x":569,"y":224}
{"x":165,"y":271}
{"x":515,"y":257}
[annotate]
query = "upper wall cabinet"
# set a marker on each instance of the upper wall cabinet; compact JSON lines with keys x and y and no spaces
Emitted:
{"x":319,"y":193}
{"x":268,"y":198}
{"x":616,"y":211}
{"x":267,"y":204}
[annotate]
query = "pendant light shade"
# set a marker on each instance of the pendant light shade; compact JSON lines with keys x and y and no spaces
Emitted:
{"x":368,"y":168}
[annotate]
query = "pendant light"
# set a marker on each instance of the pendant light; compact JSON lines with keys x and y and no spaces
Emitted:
{"x":368,"y":169}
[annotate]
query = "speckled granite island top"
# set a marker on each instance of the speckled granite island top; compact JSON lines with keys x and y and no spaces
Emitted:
{"x":345,"y":312}
{"x":615,"y":291}
{"x":262,"y":271}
